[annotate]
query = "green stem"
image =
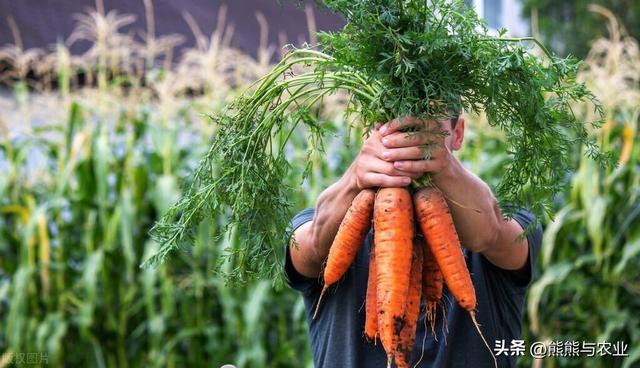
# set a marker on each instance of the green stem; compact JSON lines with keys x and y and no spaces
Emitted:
{"x":520,"y":39}
{"x":307,"y":102}
{"x":421,"y":182}
{"x":269,"y":119}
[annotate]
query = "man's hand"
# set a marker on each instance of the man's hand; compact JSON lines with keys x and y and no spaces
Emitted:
{"x":424,"y":150}
{"x":374,"y":166}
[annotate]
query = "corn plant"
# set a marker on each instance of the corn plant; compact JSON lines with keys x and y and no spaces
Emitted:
{"x":85,"y":172}
{"x":589,"y":288}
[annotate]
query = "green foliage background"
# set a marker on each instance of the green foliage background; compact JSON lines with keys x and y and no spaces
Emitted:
{"x":568,"y":26}
{"x":85,"y":171}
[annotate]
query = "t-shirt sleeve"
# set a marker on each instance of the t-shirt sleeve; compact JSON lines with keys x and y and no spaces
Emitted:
{"x":295,"y":280}
{"x":524,"y":277}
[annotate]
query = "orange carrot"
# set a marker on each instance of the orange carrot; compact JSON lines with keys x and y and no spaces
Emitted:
{"x":431,"y":284}
{"x":347,"y":242}
{"x":393,"y":224}
{"x":408,"y":333}
{"x":371,"y":308}
{"x":436,"y":223}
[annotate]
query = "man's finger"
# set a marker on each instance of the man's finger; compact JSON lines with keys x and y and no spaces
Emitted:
{"x":433,"y":127}
{"x":409,"y":139}
{"x":418,"y":166}
{"x":382,"y":180}
{"x":405,"y":153}
{"x":399,"y":140}
{"x":399,"y":124}
{"x":387,"y":168}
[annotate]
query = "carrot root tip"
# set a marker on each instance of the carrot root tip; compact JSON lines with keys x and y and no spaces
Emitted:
{"x":324,"y":289}
{"x":477,"y":325}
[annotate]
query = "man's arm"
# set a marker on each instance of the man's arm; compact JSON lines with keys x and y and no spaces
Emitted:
{"x":485,"y":231}
{"x":369,"y":169}
{"x":477,"y":216}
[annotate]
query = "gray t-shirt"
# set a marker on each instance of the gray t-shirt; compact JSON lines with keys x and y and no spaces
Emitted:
{"x":337,"y":334}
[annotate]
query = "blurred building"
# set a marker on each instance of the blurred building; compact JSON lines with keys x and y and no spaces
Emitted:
{"x":502,"y":14}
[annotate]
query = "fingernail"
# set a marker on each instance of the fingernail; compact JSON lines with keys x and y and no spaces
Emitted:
{"x":398,"y":164}
{"x":406,"y":180}
{"x":386,"y":154}
{"x":385,"y":141}
{"x":383,"y":129}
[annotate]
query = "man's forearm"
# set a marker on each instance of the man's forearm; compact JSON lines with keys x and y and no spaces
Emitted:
{"x":472,"y":204}
{"x":331,"y":207}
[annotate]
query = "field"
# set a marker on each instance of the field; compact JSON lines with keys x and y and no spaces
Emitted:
{"x":98,"y":146}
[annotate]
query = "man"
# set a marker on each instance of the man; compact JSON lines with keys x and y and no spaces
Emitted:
{"x":500,"y":262}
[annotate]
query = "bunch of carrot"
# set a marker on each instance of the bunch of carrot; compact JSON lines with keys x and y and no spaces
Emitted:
{"x":407,"y":263}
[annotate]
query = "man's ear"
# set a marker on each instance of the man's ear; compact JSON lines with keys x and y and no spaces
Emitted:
{"x":458,"y":135}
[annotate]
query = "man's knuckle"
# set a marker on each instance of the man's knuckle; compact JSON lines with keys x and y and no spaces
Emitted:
{"x":409,"y":165}
{"x":366,"y":181}
{"x":418,"y":167}
{"x":389,"y":169}
{"x":428,"y":166}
